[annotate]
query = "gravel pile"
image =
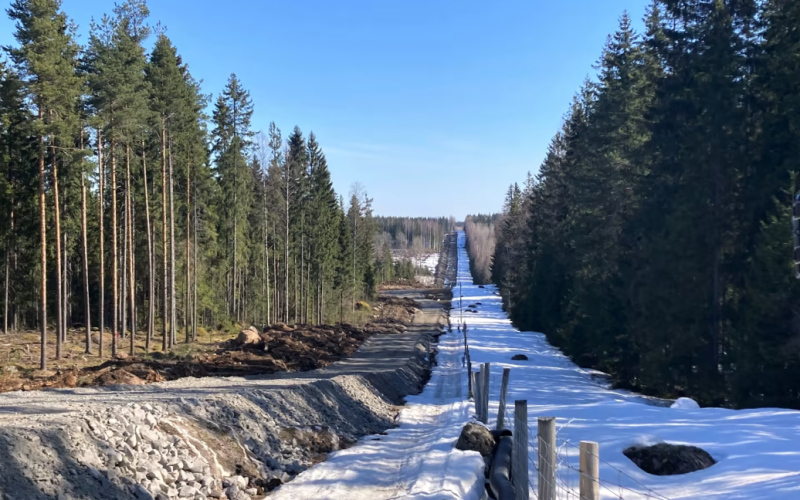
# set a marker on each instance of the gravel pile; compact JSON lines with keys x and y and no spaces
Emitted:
{"x":209,"y":438}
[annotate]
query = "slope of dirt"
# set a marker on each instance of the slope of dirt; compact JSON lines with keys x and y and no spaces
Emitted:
{"x":211,"y":437}
{"x":279,"y":348}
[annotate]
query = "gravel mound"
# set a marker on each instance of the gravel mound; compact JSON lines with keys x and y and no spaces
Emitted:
{"x":203,"y":438}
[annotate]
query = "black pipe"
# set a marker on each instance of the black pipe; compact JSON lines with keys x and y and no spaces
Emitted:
{"x":500,"y":473}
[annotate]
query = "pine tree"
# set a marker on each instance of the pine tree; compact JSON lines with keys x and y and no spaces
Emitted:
{"x":46,"y":58}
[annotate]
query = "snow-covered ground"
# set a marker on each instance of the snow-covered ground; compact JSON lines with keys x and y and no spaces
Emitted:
{"x":430,"y":261}
{"x":758,"y":451}
{"x":413,"y":461}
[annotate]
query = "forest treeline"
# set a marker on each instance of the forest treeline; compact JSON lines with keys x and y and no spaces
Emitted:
{"x":655,"y":243}
{"x":420,"y":233}
{"x":124,"y":206}
{"x":480,"y":236}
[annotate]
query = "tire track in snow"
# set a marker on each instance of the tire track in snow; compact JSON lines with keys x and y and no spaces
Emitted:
{"x":417,"y":460}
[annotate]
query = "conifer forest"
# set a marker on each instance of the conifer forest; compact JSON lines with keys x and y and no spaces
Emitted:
{"x":655,"y":243}
{"x":127,"y":209}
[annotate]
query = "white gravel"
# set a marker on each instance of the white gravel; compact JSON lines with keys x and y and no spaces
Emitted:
{"x":216,"y":437}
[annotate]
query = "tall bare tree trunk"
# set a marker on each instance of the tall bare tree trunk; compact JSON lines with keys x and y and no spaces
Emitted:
{"x":114,"y":253}
{"x":194,"y":266}
{"x":8,"y":274}
{"x":123,"y":262}
{"x":5,"y":295}
{"x":186,"y":318}
{"x":286,"y":251}
{"x":172,"y":316}
{"x":59,"y":290}
{"x":64,"y":290}
{"x":101,"y":178}
{"x":276,"y":309}
{"x":165,"y":279}
{"x":355,"y":237}
{"x":84,"y":240}
{"x":302,"y":272}
{"x":268,"y":311}
{"x":42,"y":254}
{"x":150,"y":270}
{"x":131,"y":270}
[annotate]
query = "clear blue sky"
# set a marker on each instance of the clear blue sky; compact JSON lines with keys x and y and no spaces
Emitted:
{"x":435,"y":106}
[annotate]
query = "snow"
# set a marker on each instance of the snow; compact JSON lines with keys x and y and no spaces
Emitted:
{"x":413,"y":461}
{"x":758,"y":451}
{"x":429,"y":261}
{"x":685,"y":404}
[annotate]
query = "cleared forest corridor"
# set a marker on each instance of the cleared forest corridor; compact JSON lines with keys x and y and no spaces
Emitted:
{"x":756,"y":450}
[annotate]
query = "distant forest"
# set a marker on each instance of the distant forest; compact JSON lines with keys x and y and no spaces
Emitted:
{"x":422,"y":233}
{"x":655,"y":243}
{"x":479,"y":231}
{"x":124,"y":206}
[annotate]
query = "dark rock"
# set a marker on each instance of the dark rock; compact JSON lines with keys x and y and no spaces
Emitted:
{"x":519,"y":357}
{"x":481,"y":286}
{"x":476,"y":437}
{"x":664,"y":459}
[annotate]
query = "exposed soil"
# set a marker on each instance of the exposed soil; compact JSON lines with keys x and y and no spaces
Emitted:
{"x":278,"y":348}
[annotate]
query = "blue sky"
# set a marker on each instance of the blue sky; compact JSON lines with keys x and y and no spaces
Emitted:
{"x":434,"y":106}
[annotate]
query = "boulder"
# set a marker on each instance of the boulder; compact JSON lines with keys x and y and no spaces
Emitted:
{"x":476,"y":437}
{"x":248,"y":336}
{"x":519,"y":357}
{"x":664,"y":459}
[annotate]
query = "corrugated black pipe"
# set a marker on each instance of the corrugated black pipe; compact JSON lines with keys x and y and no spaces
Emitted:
{"x":500,"y":473}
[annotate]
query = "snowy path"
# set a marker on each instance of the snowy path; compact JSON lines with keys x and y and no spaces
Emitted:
{"x":415,"y":460}
{"x":758,"y":451}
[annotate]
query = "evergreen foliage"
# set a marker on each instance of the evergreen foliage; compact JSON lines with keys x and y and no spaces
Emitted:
{"x":188,"y":220}
{"x":655,"y":241}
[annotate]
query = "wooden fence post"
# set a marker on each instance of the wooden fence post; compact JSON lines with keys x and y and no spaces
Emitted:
{"x":485,"y":392}
{"x":469,"y":365}
{"x":501,"y":410}
{"x":590,"y":470}
{"x":476,"y":386}
{"x":547,"y":458}
{"x":519,"y":453}
{"x":479,"y":394}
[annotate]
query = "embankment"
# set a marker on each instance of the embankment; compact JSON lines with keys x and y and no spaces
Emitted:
{"x":213,"y":437}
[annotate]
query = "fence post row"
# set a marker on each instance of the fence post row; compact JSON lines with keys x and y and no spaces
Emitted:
{"x":590,"y":470}
{"x":519,"y":453}
{"x":501,"y":410}
{"x":547,"y":458}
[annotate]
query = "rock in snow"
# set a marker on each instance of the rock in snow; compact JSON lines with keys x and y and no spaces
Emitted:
{"x":476,"y":437}
{"x":685,"y":404}
{"x":664,"y":459}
